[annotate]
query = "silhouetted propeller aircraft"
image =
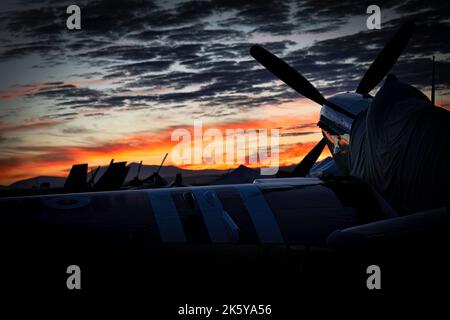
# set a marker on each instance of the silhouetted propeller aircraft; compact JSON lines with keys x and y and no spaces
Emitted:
{"x":113,"y":177}
{"x":394,"y":148}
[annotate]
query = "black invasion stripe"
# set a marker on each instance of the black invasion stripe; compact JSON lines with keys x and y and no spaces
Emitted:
{"x":191,"y":217}
{"x":233,"y":204}
{"x":147,"y":230}
{"x":129,"y":213}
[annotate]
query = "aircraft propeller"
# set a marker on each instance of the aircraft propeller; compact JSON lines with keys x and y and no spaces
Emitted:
{"x":287,"y":74}
{"x":386,"y":59}
{"x":376,"y":72}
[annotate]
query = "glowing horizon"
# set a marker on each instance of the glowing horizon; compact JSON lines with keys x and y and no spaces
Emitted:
{"x":299,"y":135}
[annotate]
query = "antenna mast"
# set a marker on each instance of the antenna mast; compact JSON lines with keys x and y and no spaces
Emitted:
{"x":162,"y":163}
{"x":433,"y":85}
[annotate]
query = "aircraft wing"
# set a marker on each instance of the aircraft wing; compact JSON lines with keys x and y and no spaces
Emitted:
{"x":405,"y":231}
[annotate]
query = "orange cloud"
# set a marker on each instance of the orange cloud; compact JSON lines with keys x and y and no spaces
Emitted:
{"x":295,"y":153}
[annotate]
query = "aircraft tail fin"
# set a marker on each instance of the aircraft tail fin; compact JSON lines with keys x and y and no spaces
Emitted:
{"x":113,"y":177}
{"x":77,"y":178}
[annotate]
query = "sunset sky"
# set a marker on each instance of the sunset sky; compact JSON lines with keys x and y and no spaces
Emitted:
{"x":140,"y":69}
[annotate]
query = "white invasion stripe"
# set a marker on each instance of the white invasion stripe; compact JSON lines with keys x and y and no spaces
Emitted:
{"x":213,"y":215}
{"x":262,"y":217}
{"x":166,"y":215}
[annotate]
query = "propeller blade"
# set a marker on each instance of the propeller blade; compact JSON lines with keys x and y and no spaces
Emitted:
{"x":286,"y":73}
{"x":307,"y":162}
{"x":386,"y":59}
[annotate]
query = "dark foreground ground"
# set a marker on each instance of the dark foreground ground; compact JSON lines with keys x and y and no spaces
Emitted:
{"x":155,"y":281}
